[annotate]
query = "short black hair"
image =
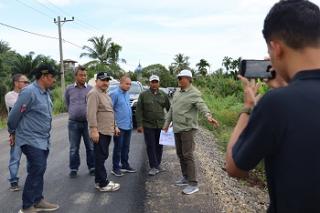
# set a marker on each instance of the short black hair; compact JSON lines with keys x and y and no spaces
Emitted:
{"x":79,"y":68}
{"x":44,"y":69}
{"x":296,"y":22}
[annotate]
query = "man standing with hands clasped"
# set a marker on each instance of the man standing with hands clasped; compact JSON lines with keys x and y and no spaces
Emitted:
{"x":102,"y":127}
{"x":150,"y":119}
{"x":183,"y":114}
{"x":29,"y":124}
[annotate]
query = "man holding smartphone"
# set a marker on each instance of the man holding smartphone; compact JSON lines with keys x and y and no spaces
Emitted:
{"x":283,"y":128}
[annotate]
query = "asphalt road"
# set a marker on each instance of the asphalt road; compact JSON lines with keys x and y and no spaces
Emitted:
{"x":77,"y":195}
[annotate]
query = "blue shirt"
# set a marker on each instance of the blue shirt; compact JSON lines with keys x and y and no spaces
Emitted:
{"x":122,"y":109}
{"x":30,"y":118}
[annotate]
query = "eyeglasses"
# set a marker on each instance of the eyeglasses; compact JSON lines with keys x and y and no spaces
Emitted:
{"x":25,"y":82}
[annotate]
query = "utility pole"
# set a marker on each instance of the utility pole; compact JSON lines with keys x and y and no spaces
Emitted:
{"x":58,"y":21}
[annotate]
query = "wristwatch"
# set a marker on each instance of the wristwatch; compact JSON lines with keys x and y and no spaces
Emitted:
{"x":246,"y":110}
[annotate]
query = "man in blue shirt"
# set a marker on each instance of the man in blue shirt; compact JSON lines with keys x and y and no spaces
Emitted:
{"x":29,"y":125}
{"x":123,"y":117}
{"x":283,"y":128}
{"x":76,"y":102}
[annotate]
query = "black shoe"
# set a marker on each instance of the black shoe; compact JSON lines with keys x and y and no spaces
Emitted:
{"x":73,"y":174}
{"x":117,"y":173}
{"x":92,"y":172}
{"x":14,"y":187}
{"x":128,"y":169}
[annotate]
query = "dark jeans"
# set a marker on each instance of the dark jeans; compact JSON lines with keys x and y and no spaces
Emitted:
{"x":121,"y":149}
{"x":101,"y":152}
{"x":154,"y":149}
{"x":76,"y":130}
{"x":37,"y":164}
{"x":185,"y":147}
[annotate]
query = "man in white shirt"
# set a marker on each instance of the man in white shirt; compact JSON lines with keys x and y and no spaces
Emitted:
{"x":19,"y":81}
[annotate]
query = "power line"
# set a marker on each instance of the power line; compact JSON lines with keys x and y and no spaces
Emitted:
{"x":77,"y":21}
{"x":41,"y":35}
{"x":33,"y":8}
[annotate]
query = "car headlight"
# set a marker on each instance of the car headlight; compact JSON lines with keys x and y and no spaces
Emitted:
{"x":134,"y":103}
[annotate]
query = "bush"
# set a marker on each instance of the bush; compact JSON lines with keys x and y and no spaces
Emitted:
{"x":58,"y":102}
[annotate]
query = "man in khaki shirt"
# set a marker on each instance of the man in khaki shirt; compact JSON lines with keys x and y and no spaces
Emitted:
{"x":183,"y":114}
{"x":102,"y":127}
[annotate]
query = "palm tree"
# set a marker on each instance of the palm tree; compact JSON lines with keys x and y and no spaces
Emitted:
{"x":181,"y":62}
{"x":202,"y":67}
{"x":26,"y":64}
{"x":103,"y":51}
{"x":4,"y":47}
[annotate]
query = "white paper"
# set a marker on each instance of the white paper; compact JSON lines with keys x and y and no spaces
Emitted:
{"x":167,"y":138}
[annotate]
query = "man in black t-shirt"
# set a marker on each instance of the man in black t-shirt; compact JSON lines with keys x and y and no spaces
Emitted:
{"x":284,"y":126}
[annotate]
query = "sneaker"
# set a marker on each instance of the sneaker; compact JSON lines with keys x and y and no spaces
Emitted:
{"x":161,"y":169}
{"x":111,"y":187}
{"x":182,"y":182}
{"x":153,"y":172}
{"x":96,"y":185}
{"x":28,"y":210}
{"x":73,"y":174}
{"x":92,"y":172}
{"x":14,"y":187}
{"x":45,"y":206}
{"x":128,"y":170}
{"x":117,"y":173}
{"x":190,"y":190}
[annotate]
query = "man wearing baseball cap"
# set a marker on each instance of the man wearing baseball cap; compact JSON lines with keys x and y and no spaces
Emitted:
{"x":101,"y":128}
{"x":183,"y":114}
{"x":150,"y":119}
{"x":29,"y":125}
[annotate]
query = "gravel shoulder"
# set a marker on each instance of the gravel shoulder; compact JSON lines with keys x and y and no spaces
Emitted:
{"x":218,"y":192}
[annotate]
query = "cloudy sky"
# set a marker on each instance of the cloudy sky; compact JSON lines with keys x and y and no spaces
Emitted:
{"x":150,"y":31}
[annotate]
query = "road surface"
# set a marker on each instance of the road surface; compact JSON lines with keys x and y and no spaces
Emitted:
{"x":77,"y":195}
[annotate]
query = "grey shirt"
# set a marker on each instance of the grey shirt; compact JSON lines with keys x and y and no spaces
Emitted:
{"x":76,"y":101}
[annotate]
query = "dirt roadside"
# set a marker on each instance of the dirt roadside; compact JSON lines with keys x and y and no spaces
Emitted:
{"x":218,"y":192}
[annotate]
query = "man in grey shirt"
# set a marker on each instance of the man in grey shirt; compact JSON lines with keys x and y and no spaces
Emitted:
{"x":76,"y":103}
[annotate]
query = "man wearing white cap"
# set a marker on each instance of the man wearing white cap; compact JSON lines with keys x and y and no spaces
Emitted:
{"x":150,"y":119}
{"x":183,"y":114}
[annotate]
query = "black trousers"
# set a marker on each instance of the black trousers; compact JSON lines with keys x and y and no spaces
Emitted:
{"x":154,"y":149}
{"x":101,"y":152}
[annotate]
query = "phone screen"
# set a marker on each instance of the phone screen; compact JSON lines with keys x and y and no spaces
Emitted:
{"x":256,"y":69}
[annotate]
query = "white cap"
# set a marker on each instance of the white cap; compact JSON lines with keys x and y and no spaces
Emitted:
{"x":154,"y":78}
{"x":186,"y":73}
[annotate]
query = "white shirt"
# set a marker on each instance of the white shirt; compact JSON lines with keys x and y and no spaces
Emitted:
{"x":10,"y":99}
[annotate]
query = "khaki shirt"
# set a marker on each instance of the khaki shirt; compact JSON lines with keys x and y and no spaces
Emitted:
{"x":184,"y":110}
{"x":99,"y":111}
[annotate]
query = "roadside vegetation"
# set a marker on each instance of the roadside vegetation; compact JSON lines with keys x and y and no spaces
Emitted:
{"x":220,"y":88}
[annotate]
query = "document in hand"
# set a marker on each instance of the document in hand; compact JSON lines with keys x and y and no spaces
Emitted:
{"x":167,"y":138}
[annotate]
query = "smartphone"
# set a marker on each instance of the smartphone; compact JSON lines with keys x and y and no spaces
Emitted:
{"x":256,"y":69}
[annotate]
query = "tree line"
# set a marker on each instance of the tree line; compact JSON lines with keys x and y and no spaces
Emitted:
{"x":104,"y":55}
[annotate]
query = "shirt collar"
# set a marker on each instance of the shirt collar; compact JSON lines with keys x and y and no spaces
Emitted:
{"x":121,"y":90}
{"x":42,"y":91}
{"x":306,"y":74}
{"x":75,"y":84}
{"x":186,"y":89}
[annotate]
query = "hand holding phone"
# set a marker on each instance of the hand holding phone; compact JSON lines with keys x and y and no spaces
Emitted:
{"x":257,"y":69}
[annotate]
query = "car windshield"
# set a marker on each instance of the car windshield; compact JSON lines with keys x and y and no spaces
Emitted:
{"x":135,"y":88}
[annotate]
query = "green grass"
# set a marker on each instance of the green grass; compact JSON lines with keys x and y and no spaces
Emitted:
{"x":3,"y":122}
{"x":58,"y":102}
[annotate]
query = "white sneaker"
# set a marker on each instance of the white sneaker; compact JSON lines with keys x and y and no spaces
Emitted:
{"x":153,"y":172}
{"x":111,"y":187}
{"x":190,"y":190}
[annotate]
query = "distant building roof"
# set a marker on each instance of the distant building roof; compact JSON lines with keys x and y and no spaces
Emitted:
{"x":69,"y":61}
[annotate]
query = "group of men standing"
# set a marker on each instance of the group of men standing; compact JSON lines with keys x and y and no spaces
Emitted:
{"x":97,"y":117}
